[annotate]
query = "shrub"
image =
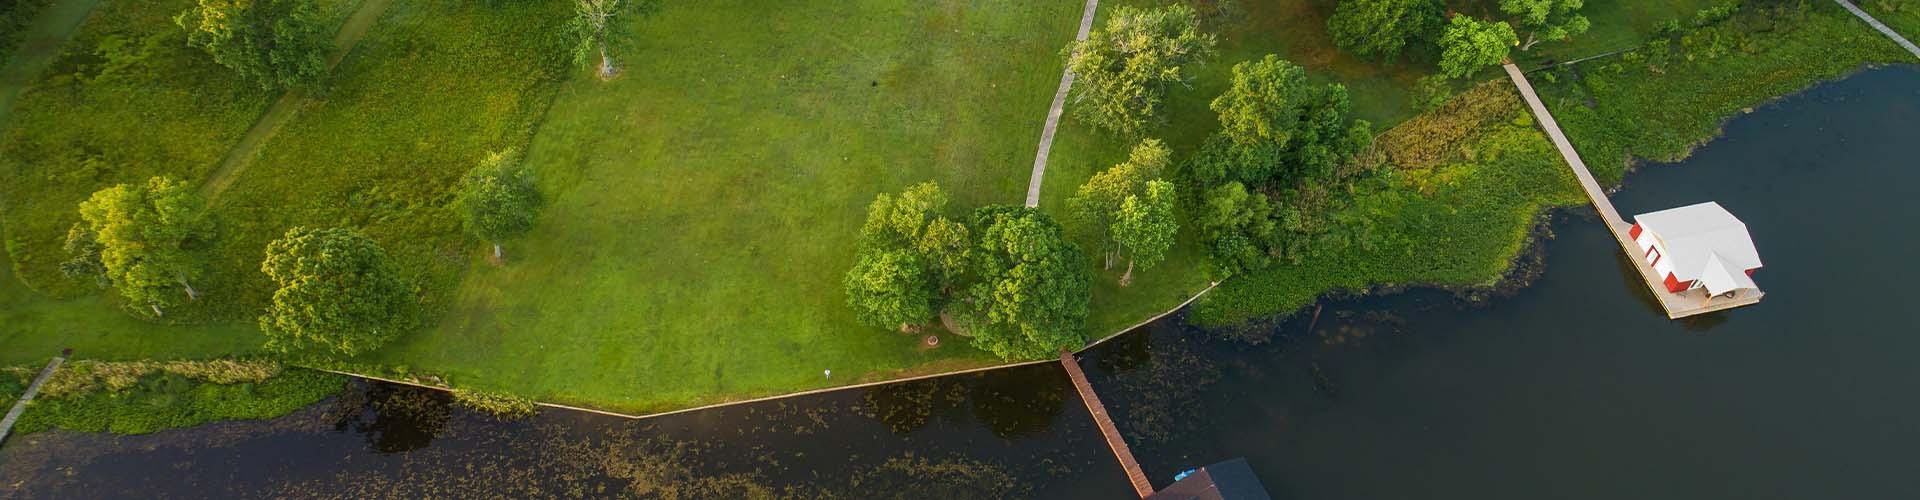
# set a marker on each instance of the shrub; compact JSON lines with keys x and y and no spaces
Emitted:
{"x":506,"y":406}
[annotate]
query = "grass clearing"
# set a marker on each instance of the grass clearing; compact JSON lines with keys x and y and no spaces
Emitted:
{"x":704,"y":204}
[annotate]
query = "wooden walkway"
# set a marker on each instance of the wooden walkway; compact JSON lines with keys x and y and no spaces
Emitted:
{"x":1100,"y":418}
{"x":1053,"y":114}
{"x":19,"y":407}
{"x":1884,"y":30}
{"x":1677,"y":305}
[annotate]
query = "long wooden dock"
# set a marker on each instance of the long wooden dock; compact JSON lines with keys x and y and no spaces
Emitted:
{"x":1100,"y":418}
{"x":19,"y":407}
{"x":1677,"y":305}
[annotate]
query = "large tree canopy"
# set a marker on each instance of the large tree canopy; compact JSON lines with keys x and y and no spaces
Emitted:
{"x":141,"y":238}
{"x":1031,"y":297}
{"x":1264,"y":101}
{"x":1122,"y":71}
{"x":1470,"y":44}
{"x":277,"y":43}
{"x":338,"y":295}
{"x":910,"y":259}
{"x":498,"y":199}
{"x":1380,"y":29}
{"x":1546,"y":20}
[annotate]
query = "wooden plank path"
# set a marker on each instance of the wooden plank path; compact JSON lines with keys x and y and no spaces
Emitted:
{"x":1884,"y":30}
{"x":1100,"y":418}
{"x":20,"y":407}
{"x":1677,"y":305}
{"x":1053,"y":114}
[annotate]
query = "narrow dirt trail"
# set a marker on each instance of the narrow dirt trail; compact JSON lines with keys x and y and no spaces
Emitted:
{"x":283,"y":109}
{"x":44,"y":38}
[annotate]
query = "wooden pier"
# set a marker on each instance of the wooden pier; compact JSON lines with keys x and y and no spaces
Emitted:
{"x":1100,"y":418}
{"x":19,"y":407}
{"x":1677,"y":305}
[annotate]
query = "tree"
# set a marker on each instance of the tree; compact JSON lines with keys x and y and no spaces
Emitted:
{"x":1096,"y":204}
{"x":1236,"y":224}
{"x":1030,"y":299}
{"x":1470,"y":44}
{"x":337,"y":295}
{"x":1146,"y":226}
{"x":498,"y":199}
{"x":1547,"y":20}
{"x":142,"y":239}
{"x":1263,"y":102}
{"x":276,"y":43}
{"x":890,"y":288}
{"x":1122,"y":71}
{"x":596,"y":28}
{"x":910,"y":259}
{"x":1381,"y":28}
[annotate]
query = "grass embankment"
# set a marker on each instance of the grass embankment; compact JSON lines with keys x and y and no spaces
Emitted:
{"x":1901,"y":15}
{"x":705,"y":203}
{"x":140,"y":397}
{"x":1660,"y":101}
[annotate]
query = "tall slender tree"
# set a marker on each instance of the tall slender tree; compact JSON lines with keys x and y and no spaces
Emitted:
{"x":1146,"y":226}
{"x":600,"y":26}
{"x":1095,"y":205}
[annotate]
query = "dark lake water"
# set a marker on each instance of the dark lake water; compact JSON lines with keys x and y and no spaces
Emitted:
{"x":1574,"y":387}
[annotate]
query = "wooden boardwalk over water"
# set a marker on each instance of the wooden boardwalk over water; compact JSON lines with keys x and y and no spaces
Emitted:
{"x":1677,"y":305}
{"x":1100,"y":418}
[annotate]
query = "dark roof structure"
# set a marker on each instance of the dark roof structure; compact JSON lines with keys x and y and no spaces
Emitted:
{"x":1229,"y":480}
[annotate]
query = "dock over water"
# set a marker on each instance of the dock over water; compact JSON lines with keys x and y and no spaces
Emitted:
{"x":1107,"y":429}
{"x":1677,"y":305}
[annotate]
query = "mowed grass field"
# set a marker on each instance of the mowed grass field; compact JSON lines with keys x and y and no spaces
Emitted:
{"x":705,"y":203}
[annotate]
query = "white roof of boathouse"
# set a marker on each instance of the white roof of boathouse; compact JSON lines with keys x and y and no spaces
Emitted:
{"x":1704,"y":241}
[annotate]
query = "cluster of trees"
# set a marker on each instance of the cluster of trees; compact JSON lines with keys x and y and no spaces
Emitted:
{"x":1281,"y":137}
{"x":1008,"y":277}
{"x":282,"y":44}
{"x":1130,"y":208}
{"x":337,"y":293}
{"x":1122,"y":71}
{"x":1385,"y":29}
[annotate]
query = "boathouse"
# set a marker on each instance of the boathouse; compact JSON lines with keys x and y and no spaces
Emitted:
{"x":1698,"y":246}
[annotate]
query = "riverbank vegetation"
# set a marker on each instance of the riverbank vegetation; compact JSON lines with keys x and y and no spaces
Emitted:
{"x":137,"y":397}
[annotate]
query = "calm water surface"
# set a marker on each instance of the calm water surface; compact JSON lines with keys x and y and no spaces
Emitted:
{"x":1574,"y":387}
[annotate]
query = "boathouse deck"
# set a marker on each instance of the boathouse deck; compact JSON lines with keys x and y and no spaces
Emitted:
{"x":1677,"y":305}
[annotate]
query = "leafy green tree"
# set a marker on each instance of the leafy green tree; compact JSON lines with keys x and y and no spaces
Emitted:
{"x":1470,"y":44}
{"x":1146,"y":226}
{"x":1380,"y":29}
{"x":911,"y":259}
{"x":1236,"y":224}
{"x":1030,"y":299}
{"x":498,"y":199}
{"x":1263,"y":102}
{"x":1122,"y":71}
{"x":890,"y":288}
{"x":338,"y":294}
{"x":1097,"y":202}
{"x":143,"y":238}
{"x":276,"y":43}
{"x":1547,"y":20}
{"x":598,"y":26}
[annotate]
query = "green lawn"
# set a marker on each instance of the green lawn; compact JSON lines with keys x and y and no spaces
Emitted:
{"x":1901,"y":15}
{"x":705,"y":203}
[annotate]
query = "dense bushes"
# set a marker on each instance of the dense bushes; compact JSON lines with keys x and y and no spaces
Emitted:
{"x":144,"y":396}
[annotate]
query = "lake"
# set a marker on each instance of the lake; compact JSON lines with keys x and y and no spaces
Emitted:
{"x":1575,"y":386}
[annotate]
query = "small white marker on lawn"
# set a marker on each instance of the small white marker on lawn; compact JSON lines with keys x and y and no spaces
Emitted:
{"x":829,"y":373}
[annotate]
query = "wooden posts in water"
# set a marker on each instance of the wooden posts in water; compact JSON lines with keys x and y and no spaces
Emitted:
{"x":1105,"y":423}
